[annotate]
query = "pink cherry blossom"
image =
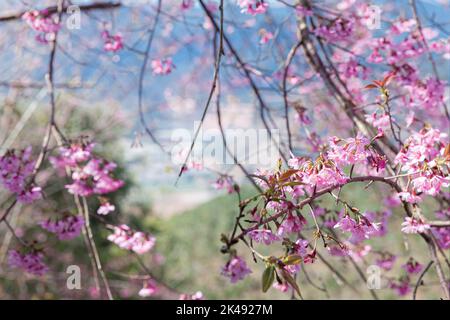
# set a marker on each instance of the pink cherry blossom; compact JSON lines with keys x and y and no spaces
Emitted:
{"x":225,"y":182}
{"x":113,"y":43}
{"x":338,"y":30}
{"x":16,"y":170}
{"x":386,"y":261}
{"x":266,"y":36}
{"x":90,"y":174}
{"x":412,"y":266}
{"x":349,"y":151}
{"x":65,"y":228}
{"x":105,"y":208}
{"x":291,"y":224}
{"x":162,"y":66}
{"x":263,"y":236}
{"x":236,"y":269}
{"x":43,"y":22}
{"x":414,"y":225}
{"x":31,"y":262}
{"x":187,"y":4}
{"x":253,"y":7}
{"x":402,"y":288}
{"x":360,"y":230}
{"x":128,"y":239}
{"x":148,"y":289}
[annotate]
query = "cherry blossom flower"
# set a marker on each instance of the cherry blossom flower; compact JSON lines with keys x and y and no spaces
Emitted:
{"x":360,"y":230}
{"x":187,"y":4}
{"x":442,"y":236}
{"x":266,"y":36}
{"x":43,"y":22}
{"x":148,"y":289}
{"x":90,"y":174}
{"x":30,"y":262}
{"x":340,"y":29}
{"x":16,"y":170}
{"x":403,"y":26}
{"x":379,"y":121}
{"x":402,"y":287}
{"x":128,"y":239}
{"x":301,"y":247}
{"x":412,"y":266}
{"x":352,"y":151}
{"x":291,"y":224}
{"x":392,"y":201}
{"x":423,"y":159}
{"x":113,"y":43}
{"x":66,"y":228}
{"x":253,"y":7}
{"x":225,"y":182}
{"x":386,"y":261}
{"x":409,"y":197}
{"x":414,"y":225}
{"x":263,"y":236}
{"x":105,"y":208}
{"x":236,"y":269}
{"x":162,"y":66}
{"x":283,"y":287}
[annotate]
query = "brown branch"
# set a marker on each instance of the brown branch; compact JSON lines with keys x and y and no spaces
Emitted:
{"x":419,"y":281}
{"x":54,"y":9}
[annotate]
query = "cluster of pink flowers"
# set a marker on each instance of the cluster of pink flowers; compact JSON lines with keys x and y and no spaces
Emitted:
{"x":30,"y":262}
{"x":360,"y":230}
{"x":414,"y":225}
{"x":381,"y":220}
{"x":105,"y":208}
{"x":263,"y":236}
{"x":66,"y":228}
{"x":339,"y":30}
{"x":412,"y":266}
{"x":381,"y":122}
{"x":293,"y":223}
{"x":425,"y":95}
{"x":266,"y":36}
{"x":187,"y":4}
{"x":128,"y":239}
{"x":386,"y":261}
{"x":423,"y":158}
{"x":90,"y":174}
{"x":253,"y":7}
{"x":236,"y":269}
{"x":148,"y":289}
{"x":113,"y":43}
{"x":354,"y":151}
{"x":225,"y":182}
{"x":442,"y":235}
{"x":16,"y":169}
{"x":319,"y":174}
{"x":43,"y":22}
{"x":402,"y":287}
{"x":162,"y":66}
{"x":388,"y":50}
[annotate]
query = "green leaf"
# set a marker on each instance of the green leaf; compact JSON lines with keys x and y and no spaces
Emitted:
{"x":286,"y":276}
{"x":268,"y":277}
{"x":292,"y":259}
